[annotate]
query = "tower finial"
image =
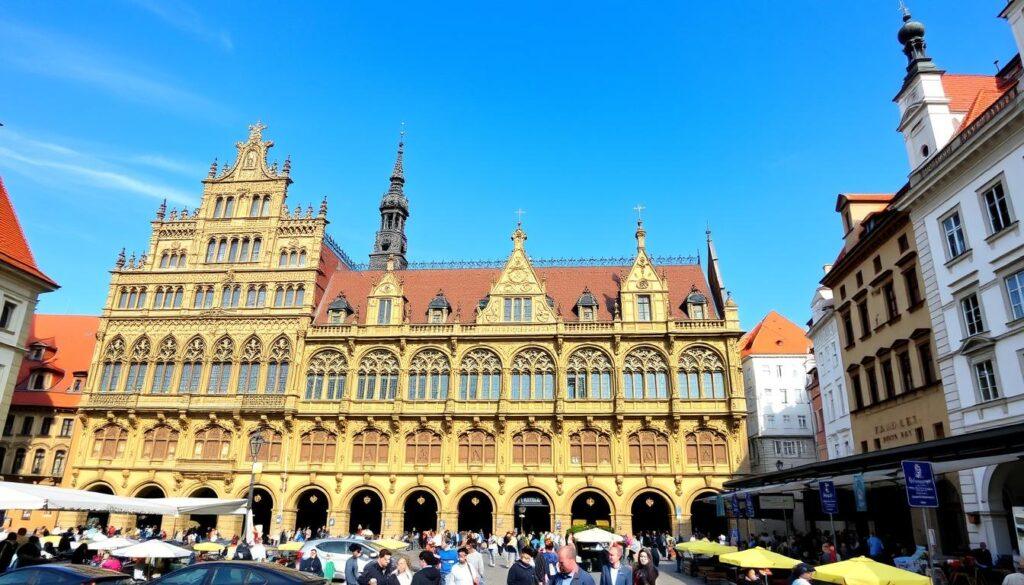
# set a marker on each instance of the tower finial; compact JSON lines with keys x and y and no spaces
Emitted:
{"x":161,"y":211}
{"x":707,"y":231}
{"x":519,"y":217}
{"x":213,"y":169}
{"x":398,"y":172}
{"x":639,"y":209}
{"x":911,"y":36}
{"x":394,"y":210}
{"x":287,"y":168}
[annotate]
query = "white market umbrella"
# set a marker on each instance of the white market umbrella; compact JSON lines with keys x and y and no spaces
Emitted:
{"x":152,"y":549}
{"x":112,"y":543}
{"x":596,"y":535}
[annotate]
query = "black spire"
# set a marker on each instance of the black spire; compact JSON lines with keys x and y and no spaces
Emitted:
{"x":394,"y":210}
{"x":911,"y":36}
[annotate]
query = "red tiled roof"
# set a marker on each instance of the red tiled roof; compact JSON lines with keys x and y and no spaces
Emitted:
{"x":962,"y":89}
{"x":464,"y":288}
{"x":14,"y":249}
{"x":70,"y":340}
{"x":775,"y":335}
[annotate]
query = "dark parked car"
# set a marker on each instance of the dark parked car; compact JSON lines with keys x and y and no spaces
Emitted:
{"x":62,"y":574}
{"x":240,"y":572}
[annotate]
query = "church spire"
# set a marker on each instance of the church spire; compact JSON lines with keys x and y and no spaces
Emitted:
{"x":911,"y":36}
{"x":394,"y":210}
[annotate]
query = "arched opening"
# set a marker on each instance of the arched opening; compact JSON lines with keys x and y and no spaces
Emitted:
{"x":262,"y":510}
{"x":99,"y":518}
{"x":704,"y":518}
{"x":952,"y":523}
{"x":591,"y":508}
{"x":532,"y":513}
{"x":420,"y":512}
{"x":366,"y":512}
{"x":1005,"y":491}
{"x":476,"y":512}
{"x":151,"y":520}
{"x":203,"y":522}
{"x":651,"y":513}
{"x":312,"y":506}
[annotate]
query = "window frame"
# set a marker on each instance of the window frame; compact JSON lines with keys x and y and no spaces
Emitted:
{"x":996,"y":389}
{"x":951,"y":254}
{"x":998,"y":183}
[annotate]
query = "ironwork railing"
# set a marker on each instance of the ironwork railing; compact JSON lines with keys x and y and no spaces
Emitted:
{"x":537,"y":262}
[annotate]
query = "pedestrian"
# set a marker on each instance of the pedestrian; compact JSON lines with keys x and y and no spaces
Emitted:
{"x":492,"y":548}
{"x":312,"y":564}
{"x":352,"y":564}
{"x":463,"y":573}
{"x":569,"y":572}
{"x":7,"y":549}
{"x":509,"y":548}
{"x":379,"y":572}
{"x":645,"y":572}
{"x":428,"y":574}
{"x":802,"y":574}
{"x":108,"y":562}
{"x":749,"y":577}
{"x":476,"y":560}
{"x":614,"y":572}
{"x":521,"y":571}
{"x":403,"y":573}
{"x":1016,"y":578}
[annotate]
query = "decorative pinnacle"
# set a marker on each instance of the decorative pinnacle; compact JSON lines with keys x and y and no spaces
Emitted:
{"x":162,"y":210}
{"x":398,"y":173}
{"x":213,"y":169}
{"x":323,"y":206}
{"x":120,"y":259}
{"x":287,"y":168}
{"x":519,"y":217}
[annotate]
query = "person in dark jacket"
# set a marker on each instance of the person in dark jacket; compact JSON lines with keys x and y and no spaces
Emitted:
{"x":522,"y":571}
{"x":429,"y":574}
{"x":7,"y":550}
{"x":311,"y":564}
{"x":569,"y":570}
{"x":242,"y":552}
{"x":381,"y":570}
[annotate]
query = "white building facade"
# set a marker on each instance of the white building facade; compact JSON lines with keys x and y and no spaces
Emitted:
{"x":824,"y":334}
{"x":965,"y":196}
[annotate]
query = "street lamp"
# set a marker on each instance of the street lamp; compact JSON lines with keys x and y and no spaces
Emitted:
{"x":256,"y":442}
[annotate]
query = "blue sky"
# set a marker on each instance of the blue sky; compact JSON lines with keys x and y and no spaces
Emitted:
{"x":750,"y":116}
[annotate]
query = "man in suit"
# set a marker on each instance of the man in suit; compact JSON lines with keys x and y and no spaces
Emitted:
{"x":569,"y":571}
{"x":614,"y":572}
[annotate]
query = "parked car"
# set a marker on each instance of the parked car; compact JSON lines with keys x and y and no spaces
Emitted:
{"x":336,"y":550}
{"x":247,"y":572}
{"x":63,"y":574}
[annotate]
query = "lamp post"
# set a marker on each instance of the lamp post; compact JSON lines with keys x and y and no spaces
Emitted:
{"x":256,"y":442}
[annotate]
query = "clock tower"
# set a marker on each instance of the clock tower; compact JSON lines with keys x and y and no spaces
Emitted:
{"x":394,"y":210}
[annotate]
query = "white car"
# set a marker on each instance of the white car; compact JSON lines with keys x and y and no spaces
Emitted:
{"x":336,"y":551}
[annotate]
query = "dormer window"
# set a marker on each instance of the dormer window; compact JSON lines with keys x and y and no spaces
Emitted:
{"x":39,"y":381}
{"x":586,"y":306}
{"x":338,"y":310}
{"x":438,"y":309}
{"x":384,"y":312}
{"x":518,"y":309}
{"x":696,"y":304}
{"x":35,"y":353}
{"x":643,"y":308}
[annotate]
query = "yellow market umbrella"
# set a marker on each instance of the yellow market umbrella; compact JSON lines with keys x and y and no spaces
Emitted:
{"x":53,"y":538}
{"x":686,"y":546}
{"x":711,"y":549}
{"x":864,"y":571}
{"x":291,"y":545}
{"x":391,"y":543}
{"x":208,"y":547}
{"x":758,"y":558}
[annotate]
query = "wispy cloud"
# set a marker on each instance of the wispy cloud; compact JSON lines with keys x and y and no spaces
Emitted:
{"x":185,"y":18}
{"x":74,"y":167}
{"x":51,"y":55}
{"x":163,"y":163}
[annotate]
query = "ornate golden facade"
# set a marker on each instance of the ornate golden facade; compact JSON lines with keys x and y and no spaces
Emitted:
{"x":404,"y":398}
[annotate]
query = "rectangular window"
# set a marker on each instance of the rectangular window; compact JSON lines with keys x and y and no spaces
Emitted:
{"x":985,"y":377}
{"x":913,"y":288}
{"x":162,"y":372}
{"x":971,"y":311}
{"x":519,"y":310}
{"x":110,"y":377}
{"x":44,"y":428}
{"x":848,"y":328}
{"x":801,"y":421}
{"x":956,"y":244}
{"x":769,"y":421}
{"x":888,"y":388}
{"x":383,"y":311}
{"x":718,"y":384}
{"x":65,"y":427}
{"x":891,"y":308}
{"x":997,"y":208}
{"x":220,"y":374}
{"x":785,"y":396}
{"x":26,"y":425}
{"x":858,"y":395}
{"x":136,"y":377}
{"x":7,"y":315}
{"x":924,"y":352}
{"x":643,"y":308}
{"x":872,"y":384}
{"x":787,"y":421}
{"x":190,"y":372}
{"x":906,"y":376}
{"x":1015,"y":290}
{"x":865,"y":319}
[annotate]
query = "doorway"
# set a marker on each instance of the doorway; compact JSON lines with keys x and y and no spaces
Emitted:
{"x":366,"y":512}
{"x":420,"y":512}
{"x":476,"y":512}
{"x":533,"y":513}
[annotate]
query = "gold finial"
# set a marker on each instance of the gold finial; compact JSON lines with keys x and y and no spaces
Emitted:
{"x":639,"y":209}
{"x":256,"y":131}
{"x":519,"y":217}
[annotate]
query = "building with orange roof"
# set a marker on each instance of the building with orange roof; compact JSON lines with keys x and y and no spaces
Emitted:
{"x":38,"y":432}
{"x":21,"y":283}
{"x":965,"y":139}
{"x":400,"y":396}
{"x":776,"y":356}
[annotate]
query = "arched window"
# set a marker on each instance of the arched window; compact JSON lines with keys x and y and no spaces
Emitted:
{"x":60,"y":458}
{"x":428,"y":376}
{"x":590,"y":448}
{"x":233,"y":250}
{"x":476,"y":448}
{"x":254,"y":206}
{"x":533,"y":375}
{"x":230,"y":296}
{"x":589,"y":375}
{"x":160,"y":443}
{"x":270,"y":452}
{"x":422,"y":448}
{"x":249,"y":366}
{"x":163,"y":369}
{"x":109,"y":442}
{"x":318,"y":447}
{"x":220,"y":369}
{"x":480,"y":377}
{"x":229,"y":207}
{"x":222,"y":249}
{"x":243,"y":252}
{"x":212,"y":443}
{"x":254,"y":256}
{"x":37,"y":461}
{"x":531,"y":449}
{"x":204,"y":297}
{"x":378,"y":376}
{"x":211,"y":250}
{"x":648,"y":448}
{"x":701,"y":374}
{"x":706,"y":449}
{"x":325,"y":376}
{"x":138,"y":366}
{"x":283,"y":259}
{"x":302,"y":258}
{"x":110,"y":373}
{"x":277,"y":365}
{"x":370,"y":447}
{"x":163,"y":260}
{"x":265,"y":210}
{"x":644,"y":375}
{"x":192,"y":366}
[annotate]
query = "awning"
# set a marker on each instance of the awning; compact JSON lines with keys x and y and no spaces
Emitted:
{"x":24,"y":496}
{"x":949,"y":454}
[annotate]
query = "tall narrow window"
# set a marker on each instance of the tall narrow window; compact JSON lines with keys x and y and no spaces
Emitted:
{"x":906,"y":376}
{"x":480,"y":377}
{"x":865,"y":318}
{"x":891,"y":308}
{"x":971,"y":311}
{"x":912,"y":286}
{"x":643,"y":308}
{"x":955,"y":241}
{"x":997,"y":208}
{"x":924,"y":353}
{"x":1015,"y":290}
{"x":277,"y":366}
{"x":384,"y":311}
{"x":985,"y":377}
{"x":59,"y":459}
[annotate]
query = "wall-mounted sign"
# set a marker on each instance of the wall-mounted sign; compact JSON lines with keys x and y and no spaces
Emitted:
{"x":829,"y":498}
{"x":778,"y":502}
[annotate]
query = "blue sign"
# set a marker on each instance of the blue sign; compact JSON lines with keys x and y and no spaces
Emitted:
{"x":860,"y":492}
{"x":750,"y":504}
{"x":921,"y":492}
{"x":720,"y":506}
{"x":734,"y":503}
{"x":829,"y":499}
